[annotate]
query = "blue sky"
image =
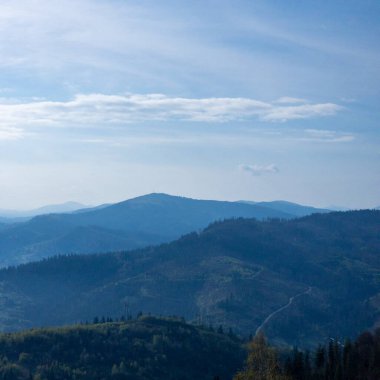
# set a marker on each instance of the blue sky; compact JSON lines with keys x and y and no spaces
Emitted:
{"x":105,"y":100}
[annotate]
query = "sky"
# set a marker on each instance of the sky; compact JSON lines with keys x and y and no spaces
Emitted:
{"x":105,"y":100}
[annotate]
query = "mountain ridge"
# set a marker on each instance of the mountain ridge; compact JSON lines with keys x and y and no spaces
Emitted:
{"x":134,"y":223}
{"x":295,"y":209}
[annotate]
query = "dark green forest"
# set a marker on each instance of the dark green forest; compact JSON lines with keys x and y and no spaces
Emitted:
{"x":152,"y":348}
{"x":351,"y":360}
{"x":144,"y":349}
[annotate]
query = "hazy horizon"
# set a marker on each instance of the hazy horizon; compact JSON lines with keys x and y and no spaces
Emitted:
{"x":89,"y":205}
{"x":102,"y":101}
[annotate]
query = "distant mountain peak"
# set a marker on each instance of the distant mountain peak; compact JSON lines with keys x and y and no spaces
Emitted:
{"x":145,"y":220}
{"x":156,"y":196}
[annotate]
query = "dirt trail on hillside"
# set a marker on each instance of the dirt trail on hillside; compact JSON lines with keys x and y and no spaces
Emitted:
{"x":271,"y":315}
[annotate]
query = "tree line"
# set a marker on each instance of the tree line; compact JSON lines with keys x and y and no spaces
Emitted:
{"x":352,"y":360}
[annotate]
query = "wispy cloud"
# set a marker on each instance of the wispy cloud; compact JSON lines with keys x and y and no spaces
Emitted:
{"x":100,"y":109}
{"x":304,"y":111}
{"x":11,"y":133}
{"x":327,"y":136}
{"x":5,"y":90}
{"x":258,"y":170}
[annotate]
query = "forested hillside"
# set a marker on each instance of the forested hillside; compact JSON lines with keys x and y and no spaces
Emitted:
{"x":151,"y":348}
{"x":299,"y":281}
{"x":144,"y":349}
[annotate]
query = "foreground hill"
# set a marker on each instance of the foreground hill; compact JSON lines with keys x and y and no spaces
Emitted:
{"x":299,"y":281}
{"x":144,"y":349}
{"x":135,"y":223}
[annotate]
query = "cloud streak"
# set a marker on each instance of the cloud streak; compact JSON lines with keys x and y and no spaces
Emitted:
{"x":100,"y":109}
{"x":11,"y":133}
{"x":257,"y":170}
{"x":327,"y":136}
{"x":304,"y":111}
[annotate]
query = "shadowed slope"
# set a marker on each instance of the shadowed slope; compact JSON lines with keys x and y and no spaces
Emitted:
{"x":235,"y":273}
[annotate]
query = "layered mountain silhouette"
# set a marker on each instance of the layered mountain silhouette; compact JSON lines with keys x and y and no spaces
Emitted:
{"x":138,"y":222}
{"x":66,"y":207}
{"x":290,"y":208}
{"x":300,"y":281}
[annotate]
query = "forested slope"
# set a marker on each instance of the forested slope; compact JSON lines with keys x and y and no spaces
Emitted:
{"x":144,"y":349}
{"x":299,"y":281}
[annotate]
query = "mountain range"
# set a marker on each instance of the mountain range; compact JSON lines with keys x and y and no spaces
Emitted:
{"x":135,"y":223}
{"x":300,"y":281}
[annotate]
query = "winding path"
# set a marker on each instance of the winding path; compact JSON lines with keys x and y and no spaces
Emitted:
{"x":271,"y":315}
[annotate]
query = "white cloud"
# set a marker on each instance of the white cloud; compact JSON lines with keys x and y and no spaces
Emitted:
{"x":258,"y":170}
{"x":101,"y":109}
